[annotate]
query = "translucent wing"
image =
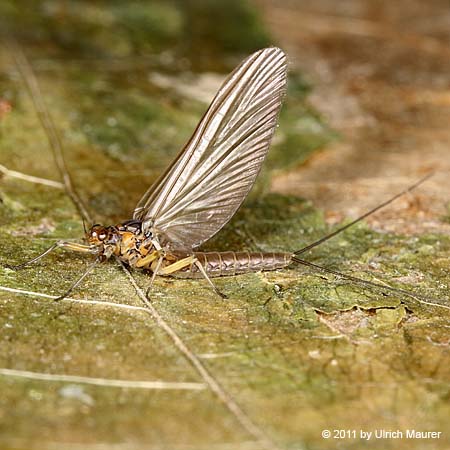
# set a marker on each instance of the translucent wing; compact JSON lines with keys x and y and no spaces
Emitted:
{"x":210,"y":178}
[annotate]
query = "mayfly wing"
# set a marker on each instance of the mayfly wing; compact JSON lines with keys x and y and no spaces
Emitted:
{"x":210,"y":178}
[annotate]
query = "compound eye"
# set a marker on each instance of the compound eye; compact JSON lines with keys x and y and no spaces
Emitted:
{"x":102,"y":236}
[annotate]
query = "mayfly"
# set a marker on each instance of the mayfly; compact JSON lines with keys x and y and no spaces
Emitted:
{"x":204,"y":186}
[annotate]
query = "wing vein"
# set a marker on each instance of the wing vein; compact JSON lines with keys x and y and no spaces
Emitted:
{"x":209,"y":179}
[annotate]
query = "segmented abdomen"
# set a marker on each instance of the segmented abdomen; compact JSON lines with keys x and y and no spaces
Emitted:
{"x":219,"y":264}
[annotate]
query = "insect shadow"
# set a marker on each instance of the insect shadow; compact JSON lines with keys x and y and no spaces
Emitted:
{"x":203,"y":187}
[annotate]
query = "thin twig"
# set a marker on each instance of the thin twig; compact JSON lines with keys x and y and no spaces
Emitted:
{"x":74,"y":300}
{"x":47,"y":123}
{"x":22,"y":176}
{"x":244,"y":420}
{"x":133,"y":384}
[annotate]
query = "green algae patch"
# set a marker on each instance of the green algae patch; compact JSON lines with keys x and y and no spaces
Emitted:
{"x":300,"y":351}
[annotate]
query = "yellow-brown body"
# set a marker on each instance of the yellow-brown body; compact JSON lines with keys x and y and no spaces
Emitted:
{"x":140,"y":250}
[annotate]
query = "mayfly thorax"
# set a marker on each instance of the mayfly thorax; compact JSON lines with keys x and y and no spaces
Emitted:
{"x":204,"y":186}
